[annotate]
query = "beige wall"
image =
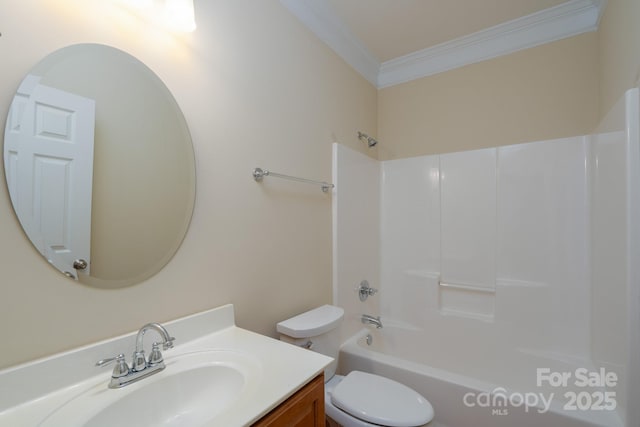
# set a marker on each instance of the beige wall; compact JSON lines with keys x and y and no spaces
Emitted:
{"x":257,"y":89}
{"x":546,"y":92}
{"x":619,"y":44}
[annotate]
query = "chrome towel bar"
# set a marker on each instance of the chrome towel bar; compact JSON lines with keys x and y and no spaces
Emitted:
{"x":259,"y":174}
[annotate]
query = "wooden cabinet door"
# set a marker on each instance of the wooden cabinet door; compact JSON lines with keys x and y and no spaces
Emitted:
{"x":303,"y":409}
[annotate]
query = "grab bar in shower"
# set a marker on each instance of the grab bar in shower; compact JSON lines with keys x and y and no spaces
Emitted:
{"x":474,"y":288}
{"x":259,"y":174}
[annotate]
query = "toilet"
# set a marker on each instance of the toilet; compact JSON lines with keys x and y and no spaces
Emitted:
{"x":358,"y":399}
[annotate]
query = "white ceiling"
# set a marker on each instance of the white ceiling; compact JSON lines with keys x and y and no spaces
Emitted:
{"x":392,"y":28}
{"x":394,"y":41}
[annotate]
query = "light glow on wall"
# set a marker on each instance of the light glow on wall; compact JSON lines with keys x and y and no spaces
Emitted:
{"x":177,"y":15}
{"x":180,"y":15}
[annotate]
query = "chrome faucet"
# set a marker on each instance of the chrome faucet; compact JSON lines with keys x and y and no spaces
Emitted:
{"x":139,"y":362}
{"x":372,"y":320}
{"x":141,"y":368}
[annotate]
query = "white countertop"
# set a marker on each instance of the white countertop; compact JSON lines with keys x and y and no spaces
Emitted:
{"x":29,"y":393}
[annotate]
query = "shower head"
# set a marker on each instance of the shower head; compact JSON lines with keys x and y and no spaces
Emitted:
{"x":371,"y":142}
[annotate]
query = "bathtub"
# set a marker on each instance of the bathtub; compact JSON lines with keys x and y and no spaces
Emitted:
{"x":486,"y":389}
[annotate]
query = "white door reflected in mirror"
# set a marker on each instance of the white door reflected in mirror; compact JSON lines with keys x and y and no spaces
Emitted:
{"x":50,"y":162}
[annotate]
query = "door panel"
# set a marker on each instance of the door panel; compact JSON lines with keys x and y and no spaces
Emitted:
{"x":51,"y":171}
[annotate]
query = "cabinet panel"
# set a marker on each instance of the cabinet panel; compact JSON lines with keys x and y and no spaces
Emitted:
{"x":303,"y":409}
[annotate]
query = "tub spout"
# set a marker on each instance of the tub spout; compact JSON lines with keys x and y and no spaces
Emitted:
{"x":367,"y":319}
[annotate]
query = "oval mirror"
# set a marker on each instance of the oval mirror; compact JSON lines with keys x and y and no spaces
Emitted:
{"x":99,"y":165}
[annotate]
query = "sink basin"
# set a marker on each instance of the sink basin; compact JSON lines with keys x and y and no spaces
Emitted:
{"x":192,"y":390}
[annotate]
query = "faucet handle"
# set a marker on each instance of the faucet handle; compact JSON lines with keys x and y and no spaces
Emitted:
{"x":365,"y":291}
{"x":155,"y":357}
{"x":120,"y":370}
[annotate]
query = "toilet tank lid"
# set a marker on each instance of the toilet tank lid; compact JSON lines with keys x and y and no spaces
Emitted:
{"x":312,"y":323}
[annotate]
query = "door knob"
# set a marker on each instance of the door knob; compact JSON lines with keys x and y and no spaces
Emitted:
{"x":80,"y":264}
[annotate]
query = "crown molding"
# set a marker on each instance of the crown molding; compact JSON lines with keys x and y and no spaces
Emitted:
{"x":553,"y":24}
{"x":565,"y":20}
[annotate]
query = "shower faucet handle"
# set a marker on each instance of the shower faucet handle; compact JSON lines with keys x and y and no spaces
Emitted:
{"x":365,"y":291}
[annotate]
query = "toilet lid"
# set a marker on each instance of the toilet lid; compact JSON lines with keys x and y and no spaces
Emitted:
{"x":379,"y":400}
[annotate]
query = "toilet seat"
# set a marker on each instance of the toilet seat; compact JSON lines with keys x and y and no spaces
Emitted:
{"x":379,"y":401}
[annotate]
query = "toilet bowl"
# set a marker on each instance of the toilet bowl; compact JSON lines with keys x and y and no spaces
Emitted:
{"x":358,"y":399}
{"x":366,"y":400}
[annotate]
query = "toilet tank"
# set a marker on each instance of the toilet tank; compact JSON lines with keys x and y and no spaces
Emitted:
{"x":316,"y":330}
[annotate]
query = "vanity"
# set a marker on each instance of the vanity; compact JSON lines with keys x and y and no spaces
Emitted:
{"x":217,"y":374}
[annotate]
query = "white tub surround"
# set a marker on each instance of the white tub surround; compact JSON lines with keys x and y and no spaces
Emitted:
{"x":31,"y":393}
{"x":493,"y":263}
